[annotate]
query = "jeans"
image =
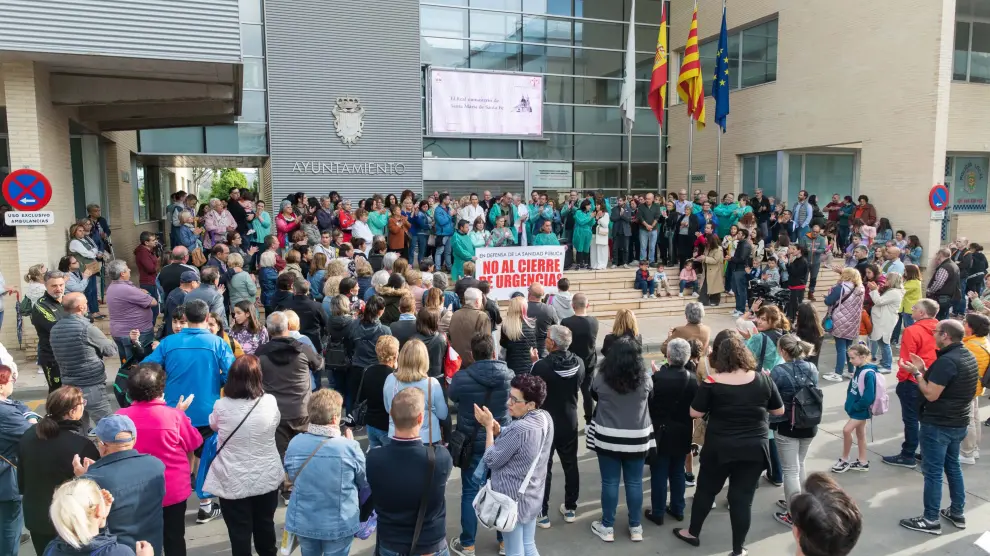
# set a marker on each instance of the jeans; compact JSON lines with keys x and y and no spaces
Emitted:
{"x":693,"y":284}
{"x":842,"y":345}
{"x":739,"y":286}
{"x":885,"y":355}
{"x":418,"y":248}
{"x":907,"y":393}
{"x":377,"y":437}
{"x":443,"y":254}
{"x":648,"y":286}
{"x":803,"y":231}
{"x":631,"y":471}
{"x":124,"y":348}
{"x":775,"y":471}
{"x":1,"y":320}
{"x":153,"y":292}
{"x":814,"y":269}
{"x":566,"y":448}
{"x":92,"y":301}
{"x":521,"y":541}
{"x":974,"y":432}
{"x":174,"y":529}
{"x":648,"y":244}
{"x":743,"y":477}
{"x":97,"y":404}
{"x":470,"y":485}
{"x":792,"y":452}
{"x":666,"y":469}
{"x":940,"y":448}
{"x":11,"y":522}
{"x":904,"y":321}
{"x":251,"y":517}
{"x":317,"y":547}
{"x":764,"y":227}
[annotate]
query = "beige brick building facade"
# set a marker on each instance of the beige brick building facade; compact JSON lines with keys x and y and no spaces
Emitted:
{"x":871,"y":80}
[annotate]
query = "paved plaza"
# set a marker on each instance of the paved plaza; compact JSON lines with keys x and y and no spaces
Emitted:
{"x":885,"y":495}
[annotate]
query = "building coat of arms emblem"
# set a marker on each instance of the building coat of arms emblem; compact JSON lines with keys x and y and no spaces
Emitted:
{"x":348,"y":116}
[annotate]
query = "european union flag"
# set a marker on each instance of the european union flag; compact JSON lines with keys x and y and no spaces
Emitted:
{"x":720,"y":86}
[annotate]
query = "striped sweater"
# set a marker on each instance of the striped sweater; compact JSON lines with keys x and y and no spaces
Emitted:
{"x":621,"y":426}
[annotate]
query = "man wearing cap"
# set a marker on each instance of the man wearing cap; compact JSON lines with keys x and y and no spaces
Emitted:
{"x":136,"y":481}
{"x":187,"y":283}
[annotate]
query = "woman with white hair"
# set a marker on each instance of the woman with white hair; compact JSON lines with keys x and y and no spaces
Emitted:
{"x":674,"y":387}
{"x":378,"y":281}
{"x":187,"y":235}
{"x":79,"y":513}
{"x":886,"y":306}
{"x":218,"y":222}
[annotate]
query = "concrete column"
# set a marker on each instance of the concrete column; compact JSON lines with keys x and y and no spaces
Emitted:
{"x":39,"y":139}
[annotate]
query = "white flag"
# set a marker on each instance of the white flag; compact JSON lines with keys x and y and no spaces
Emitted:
{"x":628,"y":97}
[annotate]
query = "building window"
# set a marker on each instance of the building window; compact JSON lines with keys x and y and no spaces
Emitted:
{"x":971,"y":56}
{"x":141,"y":191}
{"x":752,"y":57}
{"x":823,"y":175}
{"x":760,"y":172}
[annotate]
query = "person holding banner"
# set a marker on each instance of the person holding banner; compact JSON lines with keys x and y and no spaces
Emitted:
{"x":546,"y":235}
{"x":583,"y":219}
{"x":463,"y":249}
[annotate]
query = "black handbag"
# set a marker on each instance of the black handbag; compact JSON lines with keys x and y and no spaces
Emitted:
{"x":461,"y":446}
{"x":358,"y":417}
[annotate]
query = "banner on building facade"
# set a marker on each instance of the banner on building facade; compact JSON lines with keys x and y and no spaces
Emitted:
{"x":484,"y":103}
{"x":514,"y":269}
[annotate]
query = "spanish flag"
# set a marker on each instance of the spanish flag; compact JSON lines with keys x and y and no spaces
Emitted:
{"x":690,"y":84}
{"x":658,"y":80}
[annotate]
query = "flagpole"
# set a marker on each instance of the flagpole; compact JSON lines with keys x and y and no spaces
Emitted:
{"x":690,"y":152}
{"x":628,"y":158}
{"x":718,"y":164}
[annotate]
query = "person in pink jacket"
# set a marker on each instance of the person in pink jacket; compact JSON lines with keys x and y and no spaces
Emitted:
{"x":166,"y":433}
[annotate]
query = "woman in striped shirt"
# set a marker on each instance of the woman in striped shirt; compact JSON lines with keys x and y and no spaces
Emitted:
{"x":621,"y":433}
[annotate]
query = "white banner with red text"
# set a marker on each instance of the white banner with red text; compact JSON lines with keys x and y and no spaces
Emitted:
{"x":513,"y":269}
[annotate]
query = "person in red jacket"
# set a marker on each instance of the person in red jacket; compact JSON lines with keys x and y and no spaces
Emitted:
{"x":917,"y":339}
{"x":147,"y":264}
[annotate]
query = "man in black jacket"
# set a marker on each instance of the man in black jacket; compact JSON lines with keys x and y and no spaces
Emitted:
{"x":761,"y":207}
{"x":46,"y":312}
{"x":621,"y":219}
{"x":405,"y":328}
{"x":402,"y":477}
{"x":286,"y":367}
{"x":312,"y":319}
{"x":241,"y":217}
{"x":563,"y":372}
{"x":543,"y":314}
{"x":740,"y":261}
{"x":584,"y":338}
{"x":797,"y":277}
{"x":947,"y":390}
{"x":944,"y":286}
{"x":171,"y":274}
{"x":486,"y":383}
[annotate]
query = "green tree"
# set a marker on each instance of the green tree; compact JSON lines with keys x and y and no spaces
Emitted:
{"x":225,"y":180}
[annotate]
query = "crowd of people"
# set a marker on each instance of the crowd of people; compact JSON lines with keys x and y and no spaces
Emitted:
{"x":280,"y":337}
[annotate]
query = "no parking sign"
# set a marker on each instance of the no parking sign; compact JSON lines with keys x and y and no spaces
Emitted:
{"x":28,"y":191}
{"x":938,"y":197}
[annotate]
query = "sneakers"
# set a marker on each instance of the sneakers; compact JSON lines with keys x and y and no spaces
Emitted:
{"x":501,"y":548}
{"x":771,"y":481}
{"x":860,"y":466}
{"x":883,"y":370}
{"x":840,"y":466}
{"x":645,"y":296}
{"x":782,"y":504}
{"x":681,"y":294}
{"x":922,"y":525}
{"x":957,"y":520}
{"x":901,"y":460}
{"x":636,"y":533}
{"x":543,"y":522}
{"x":832,"y":377}
{"x":606,"y":534}
{"x":695,"y":294}
{"x":783,"y":518}
{"x":737,"y":314}
{"x":968,"y":460}
{"x":206,"y":517}
{"x":689,"y":479}
{"x":569,"y":515}
{"x":457,"y":548}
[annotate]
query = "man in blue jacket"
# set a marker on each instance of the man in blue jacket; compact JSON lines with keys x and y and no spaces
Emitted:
{"x":444,"y":229}
{"x":136,"y":481}
{"x":485,"y":383}
{"x":196,"y":364}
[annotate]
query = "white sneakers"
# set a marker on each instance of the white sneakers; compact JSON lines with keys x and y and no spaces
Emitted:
{"x":832,"y":377}
{"x":968,"y":460}
{"x":606,"y":534}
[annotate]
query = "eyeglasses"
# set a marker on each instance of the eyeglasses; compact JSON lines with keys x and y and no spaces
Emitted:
{"x":515,"y":400}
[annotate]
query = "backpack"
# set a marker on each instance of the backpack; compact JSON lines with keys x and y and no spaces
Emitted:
{"x":336,"y":354}
{"x":806,"y":405}
{"x":881,"y":401}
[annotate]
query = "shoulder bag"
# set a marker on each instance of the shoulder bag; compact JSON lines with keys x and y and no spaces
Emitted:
{"x":359,"y":413}
{"x":461,"y":445}
{"x":211,"y":451}
{"x":501,"y":511}
{"x":827,"y":323}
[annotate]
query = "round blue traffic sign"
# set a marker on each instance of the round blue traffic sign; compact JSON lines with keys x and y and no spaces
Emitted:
{"x":27,"y":190}
{"x":938,"y":197}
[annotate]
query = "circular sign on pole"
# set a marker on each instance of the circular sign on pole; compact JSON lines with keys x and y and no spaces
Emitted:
{"x":27,"y":190}
{"x":938,"y":197}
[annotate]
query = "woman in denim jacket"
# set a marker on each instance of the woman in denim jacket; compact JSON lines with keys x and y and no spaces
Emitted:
{"x":324,"y":509}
